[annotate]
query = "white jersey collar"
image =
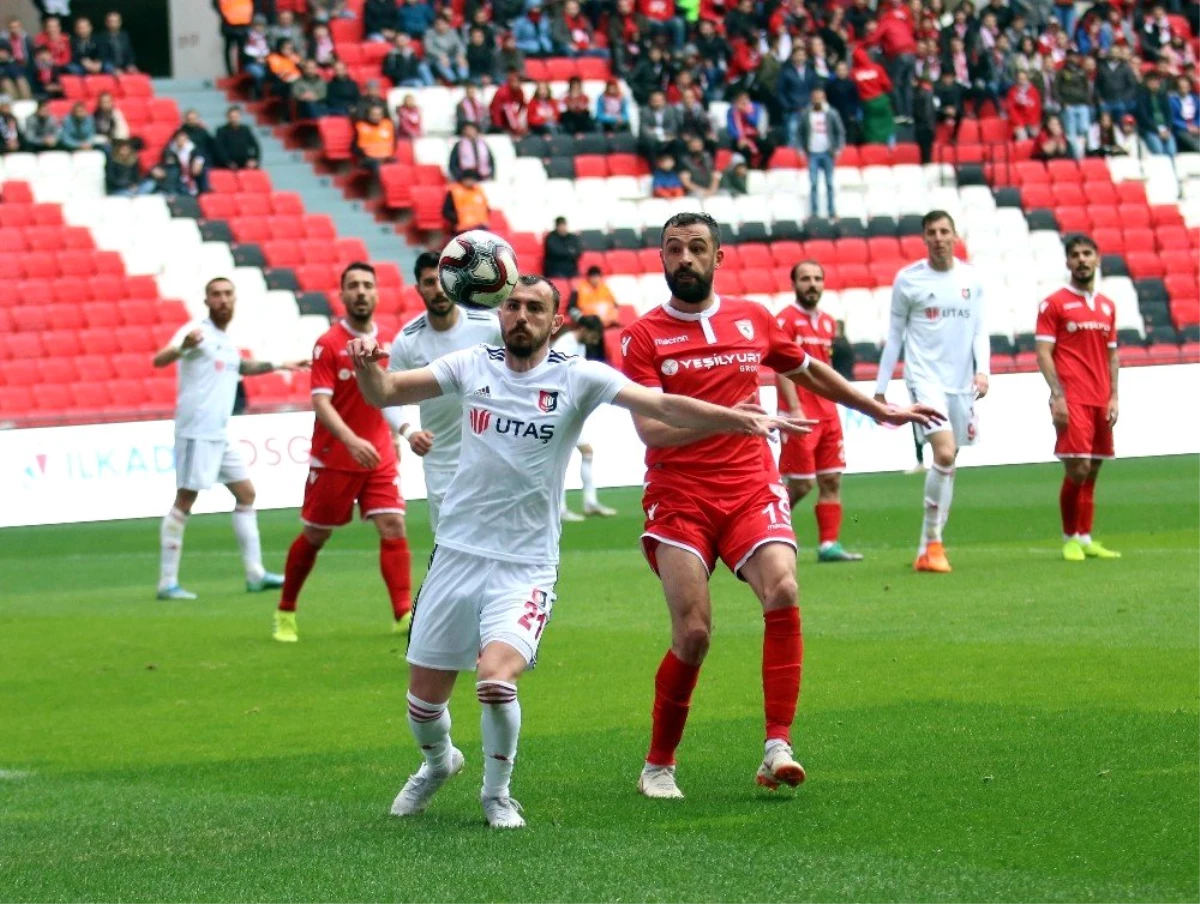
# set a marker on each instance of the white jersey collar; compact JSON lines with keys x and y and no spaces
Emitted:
{"x":693,"y":315}
{"x":1089,"y":298}
{"x":353,"y":332}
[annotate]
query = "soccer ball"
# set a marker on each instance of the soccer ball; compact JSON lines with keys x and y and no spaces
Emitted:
{"x":478,"y":268}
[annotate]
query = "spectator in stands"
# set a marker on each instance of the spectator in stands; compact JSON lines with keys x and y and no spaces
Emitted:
{"x":309,"y":91}
{"x":1155,"y":33}
{"x":236,"y":16}
{"x":1024,"y":108}
{"x":374,"y":139}
{"x":20,"y":44}
{"x":10,"y":131}
{"x":481,"y":57}
{"x":765,"y":81}
{"x":56,"y":41}
{"x":482,"y":20}
{"x":255,"y":50}
{"x":1185,"y":115}
{"x":743,"y":63}
{"x":286,"y":28}
{"x":694,"y":118}
{"x":327,"y":10}
{"x":1104,"y":137}
{"x":44,"y":76}
{"x":381,"y":20}
{"x":42,"y":130}
{"x":471,"y":153}
{"x":713,"y":50}
{"x":403,"y":67}
{"x":1154,"y":116}
{"x":612,"y":108}
{"x":576,"y":116}
{"x":626,"y":30}
{"x":735,"y":180}
{"x":543,"y":112}
{"x":697,"y":170}
{"x":925,"y":118}
{"x":341,"y":92}
{"x":109,"y":122}
{"x":571,"y":32}
{"x":320,"y":47}
{"x":123,"y":174}
{"x":794,"y":90}
{"x":896,"y":37}
{"x":78,"y":129}
{"x":510,"y":57}
{"x":822,"y":137}
{"x":116,"y":47}
{"x":1052,"y":142}
{"x":665,"y":181}
{"x":185,"y":166}
{"x":86,"y":55}
{"x":466,"y":205}
{"x":874,"y":88}
{"x":842,"y":94}
{"x":235,"y":146}
{"x":1127,"y":135}
{"x":592,"y":297}
{"x":408,"y":118}
{"x":531,"y":33}
{"x":951,"y":98}
{"x":284,"y":64}
{"x":741,"y":20}
{"x":198,"y":132}
{"x":561,"y":250}
{"x":658,"y":127}
{"x":652,"y":73}
{"x":14,"y":76}
{"x":471,"y":109}
{"x":415,"y":17}
{"x":746,"y":128}
{"x":1116,"y":84}
{"x":445,"y":52}
{"x":508,"y":107}
{"x":1074,"y":93}
{"x":372,"y":99}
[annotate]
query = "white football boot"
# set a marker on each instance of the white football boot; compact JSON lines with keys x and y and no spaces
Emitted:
{"x":502,"y":812}
{"x":659,"y":781}
{"x":779,"y":767}
{"x":418,"y":791}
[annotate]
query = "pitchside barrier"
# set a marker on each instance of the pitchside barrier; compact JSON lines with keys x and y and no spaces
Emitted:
{"x":103,"y":472}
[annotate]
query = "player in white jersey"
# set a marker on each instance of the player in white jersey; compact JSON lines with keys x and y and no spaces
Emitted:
{"x":490,"y":588}
{"x":443,"y":328}
{"x":588,"y":330}
{"x":210,"y":366}
{"x":938,"y":318}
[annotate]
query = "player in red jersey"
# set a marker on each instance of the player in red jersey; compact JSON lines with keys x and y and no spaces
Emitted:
{"x":353,"y":459}
{"x":816,"y":458}
{"x":1077,"y":352}
{"x":709,"y":497}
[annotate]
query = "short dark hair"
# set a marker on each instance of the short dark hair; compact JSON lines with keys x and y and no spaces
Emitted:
{"x":533,"y":279}
{"x":692,"y":218}
{"x":1079,"y":238}
{"x":426,"y":260}
{"x":560,"y":221}
{"x":590,"y":322}
{"x":355,"y":265}
{"x":933,"y":216}
{"x":593,"y":270}
{"x":807,"y":263}
{"x":216,"y":279}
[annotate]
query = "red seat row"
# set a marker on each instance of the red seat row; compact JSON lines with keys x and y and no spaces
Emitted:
{"x":291,"y":253}
{"x":215,"y":206}
{"x":1140,"y":238}
{"x":851,"y":155}
{"x":101,"y":341}
{"x":143,"y":312}
{"x":599,"y":166}
{"x":268,"y":228}
{"x":53,"y":264}
{"x":43,"y":238}
{"x":1152,"y":264}
{"x":326,"y":277}
{"x":138,"y":111}
{"x":246,"y":182}
{"x":80,"y":87}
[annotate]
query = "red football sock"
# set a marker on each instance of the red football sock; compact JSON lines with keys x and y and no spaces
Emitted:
{"x":1087,"y":505}
{"x":673,"y":686}
{"x":396,"y":565}
{"x":783,"y":654}
{"x":829,"y":521}
{"x":300,"y":559}
{"x":1068,"y":502}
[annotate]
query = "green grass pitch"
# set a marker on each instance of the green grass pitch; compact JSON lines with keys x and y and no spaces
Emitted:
{"x":1022,"y":729}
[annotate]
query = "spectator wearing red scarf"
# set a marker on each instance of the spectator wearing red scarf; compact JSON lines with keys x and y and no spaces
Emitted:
{"x":744,"y":60}
{"x":408,"y":118}
{"x":896,"y":37}
{"x":508,"y":107}
{"x":879,"y":126}
{"x":745,"y":125}
{"x":571,"y":32}
{"x":1024,"y":107}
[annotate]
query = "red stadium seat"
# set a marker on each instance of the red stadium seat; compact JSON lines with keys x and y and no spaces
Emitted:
{"x":47,"y":215}
{"x":627,"y":165}
{"x":729,"y":282}
{"x":1131,"y":193}
{"x":287,"y":204}
{"x":753,"y":257}
{"x":100,"y":314}
{"x":250,"y":230}
{"x":253,"y":182}
{"x":1073,"y":219}
{"x":223,"y":182}
{"x":851,"y":251}
{"x":1134,"y":215}
{"x":1063,"y":171}
{"x":337,"y":137}
{"x":1145,"y":265}
{"x":286,"y":228}
{"x":648,"y":260}
{"x":164,"y":110}
{"x":95,"y":85}
{"x":63,"y":343}
{"x":849,"y":157}
{"x":1111,"y":241}
{"x":994,"y":131}
{"x":72,"y":86}
{"x":758,"y":282}
{"x":622,"y":262}
{"x":1068,"y":194}
{"x":1035,"y":196}
{"x":593,"y":69}
{"x":319,"y":226}
{"x":560,"y":69}
{"x":786,"y":158}
{"x":1031,"y":172}
{"x":906,"y":153}
{"x":134,"y":84}
{"x":51,"y":397}
{"x":786,"y":254}
{"x":283,"y":254}
{"x":591,"y":166}
{"x":874,"y":155}
{"x":43,"y":238}
{"x":1166,"y":215}
{"x":883,"y":247}
{"x":1139,"y":240}
{"x":219,"y":207}
{"x":347,"y":250}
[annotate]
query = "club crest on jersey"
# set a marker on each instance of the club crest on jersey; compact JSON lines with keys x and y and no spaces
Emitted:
{"x":480,"y":418}
{"x":966,"y":293}
{"x":745,"y":327}
{"x":547,"y":400}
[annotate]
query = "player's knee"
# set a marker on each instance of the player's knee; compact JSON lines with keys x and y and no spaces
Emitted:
{"x":782,"y":593}
{"x":184,"y":500}
{"x":316,"y":536}
{"x":693,"y":640}
{"x":944,"y":457}
{"x":1077,"y":469}
{"x":800,"y":488}
{"x":390,"y":527}
{"x":830,"y":487}
{"x":586,"y":451}
{"x":245,"y":496}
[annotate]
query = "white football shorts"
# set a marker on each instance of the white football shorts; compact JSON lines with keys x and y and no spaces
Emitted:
{"x":959,"y":408}
{"x":468,"y":601}
{"x":199,"y":463}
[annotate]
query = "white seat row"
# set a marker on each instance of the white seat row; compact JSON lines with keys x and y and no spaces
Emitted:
{"x":55,"y":176}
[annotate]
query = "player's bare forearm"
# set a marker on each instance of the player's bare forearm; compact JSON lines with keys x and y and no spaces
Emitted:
{"x":167,"y":356}
{"x":383,"y":389}
{"x":255,"y":368}
{"x":828,"y":383}
{"x":1114,"y":370}
{"x":658,"y":435}
{"x":331,"y":420}
{"x":789,"y":399}
{"x":1045,"y":361}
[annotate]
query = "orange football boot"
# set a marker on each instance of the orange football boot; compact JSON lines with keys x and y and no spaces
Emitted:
{"x":933,"y":560}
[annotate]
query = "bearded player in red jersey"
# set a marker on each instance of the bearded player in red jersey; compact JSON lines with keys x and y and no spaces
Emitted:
{"x":1077,"y":352}
{"x":709,"y":497}
{"x":353,"y":459}
{"x":816,"y":458}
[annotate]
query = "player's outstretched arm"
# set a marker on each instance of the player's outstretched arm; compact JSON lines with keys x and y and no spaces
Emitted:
{"x":827,"y":382}
{"x":382,"y":388}
{"x":692,"y":414}
{"x":173,"y":350}
{"x":257,"y":368}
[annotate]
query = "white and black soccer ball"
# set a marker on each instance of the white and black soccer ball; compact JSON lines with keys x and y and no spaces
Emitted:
{"x":478,"y":268}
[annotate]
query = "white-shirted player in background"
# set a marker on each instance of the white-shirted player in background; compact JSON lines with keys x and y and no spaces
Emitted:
{"x":588,"y":330}
{"x":210,"y":366}
{"x":938,"y":319}
{"x":490,"y":588}
{"x":443,"y":328}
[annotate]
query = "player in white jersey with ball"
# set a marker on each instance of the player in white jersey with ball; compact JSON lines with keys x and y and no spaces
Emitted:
{"x":210,"y":366}
{"x":444,"y":328}
{"x":937,"y":317}
{"x":490,"y":588}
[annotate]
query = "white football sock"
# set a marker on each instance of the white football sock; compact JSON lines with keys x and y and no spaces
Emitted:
{"x":501,"y":723}
{"x":947,"y":498}
{"x":562,"y":507}
{"x":939,"y":490}
{"x":170,"y":538}
{"x":245,"y":528}
{"x":589,"y":482}
{"x":430,"y":725}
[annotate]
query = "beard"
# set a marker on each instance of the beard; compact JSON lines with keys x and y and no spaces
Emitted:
{"x":808,"y":300}
{"x":524,"y":343}
{"x":693,"y":290}
{"x":440,"y":306}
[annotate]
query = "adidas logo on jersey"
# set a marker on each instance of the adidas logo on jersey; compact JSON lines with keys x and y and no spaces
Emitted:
{"x":485,"y":391}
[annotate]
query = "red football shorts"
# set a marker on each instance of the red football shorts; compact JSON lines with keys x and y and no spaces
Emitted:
{"x":805,"y":455}
{"x":1088,"y":433}
{"x":330,"y":495}
{"x":712,"y":525}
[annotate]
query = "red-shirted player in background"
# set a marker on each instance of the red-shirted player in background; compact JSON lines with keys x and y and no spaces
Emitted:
{"x":818,"y":457}
{"x":353,"y":459}
{"x":1077,"y":353}
{"x":709,"y":497}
